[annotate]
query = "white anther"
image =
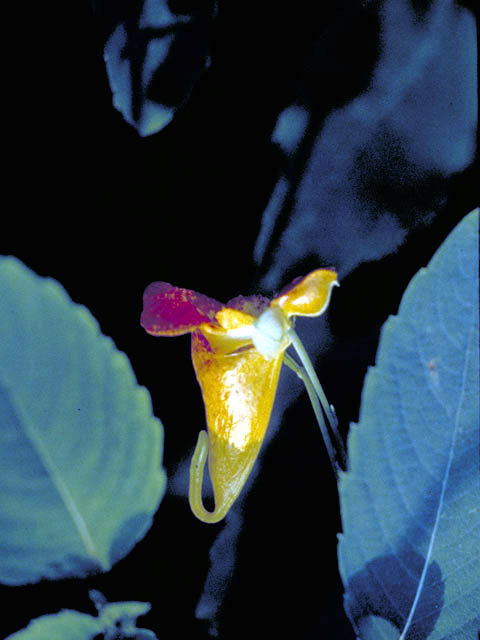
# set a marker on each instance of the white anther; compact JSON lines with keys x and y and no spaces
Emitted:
{"x":270,"y":335}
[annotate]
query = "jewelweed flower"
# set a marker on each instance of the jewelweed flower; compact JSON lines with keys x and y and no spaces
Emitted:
{"x":237,"y":352}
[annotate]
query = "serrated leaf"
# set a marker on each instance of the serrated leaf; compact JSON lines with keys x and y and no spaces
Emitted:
{"x":116,"y":621}
{"x":80,"y":451}
{"x":64,"y":625}
{"x":410,"y":500}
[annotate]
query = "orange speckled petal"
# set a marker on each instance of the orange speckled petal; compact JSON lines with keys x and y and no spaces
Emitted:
{"x":253,"y":305}
{"x":307,"y":296}
{"x":238,"y":391}
{"x":172,"y":311}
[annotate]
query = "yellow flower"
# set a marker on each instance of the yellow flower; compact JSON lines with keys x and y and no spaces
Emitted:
{"x":237,"y":353}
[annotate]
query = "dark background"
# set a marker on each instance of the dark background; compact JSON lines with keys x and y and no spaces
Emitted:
{"x":105,"y":212}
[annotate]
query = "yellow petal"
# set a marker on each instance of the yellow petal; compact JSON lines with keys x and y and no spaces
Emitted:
{"x":233,"y":318}
{"x":231,"y":332}
{"x":238,"y":392}
{"x":307,"y":296}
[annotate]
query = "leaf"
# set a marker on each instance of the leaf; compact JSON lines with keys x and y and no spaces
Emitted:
{"x":392,"y":141}
{"x":154,"y":56}
{"x":410,"y":501}
{"x":80,"y":451}
{"x":115,"y":621}
{"x":64,"y":625}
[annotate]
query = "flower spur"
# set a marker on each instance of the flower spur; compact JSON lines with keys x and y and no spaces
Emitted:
{"x":237,"y":352}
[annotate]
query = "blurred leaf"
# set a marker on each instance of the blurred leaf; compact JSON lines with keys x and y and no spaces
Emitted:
{"x":391,"y":132}
{"x":115,"y":622}
{"x":121,"y":615}
{"x":410,"y":501}
{"x":154,"y":56}
{"x":64,"y":625}
{"x":80,"y":451}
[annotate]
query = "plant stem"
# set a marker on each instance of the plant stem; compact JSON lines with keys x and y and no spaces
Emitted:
{"x":315,"y":383}
{"x":302,"y":374}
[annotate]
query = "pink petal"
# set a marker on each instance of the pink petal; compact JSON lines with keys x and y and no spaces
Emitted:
{"x":171,"y":311}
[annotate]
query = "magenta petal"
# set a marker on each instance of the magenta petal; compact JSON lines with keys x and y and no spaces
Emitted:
{"x":171,"y":311}
{"x":253,"y":305}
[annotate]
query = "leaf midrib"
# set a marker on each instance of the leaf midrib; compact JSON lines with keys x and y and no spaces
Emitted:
{"x":32,"y":434}
{"x":444,"y":486}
